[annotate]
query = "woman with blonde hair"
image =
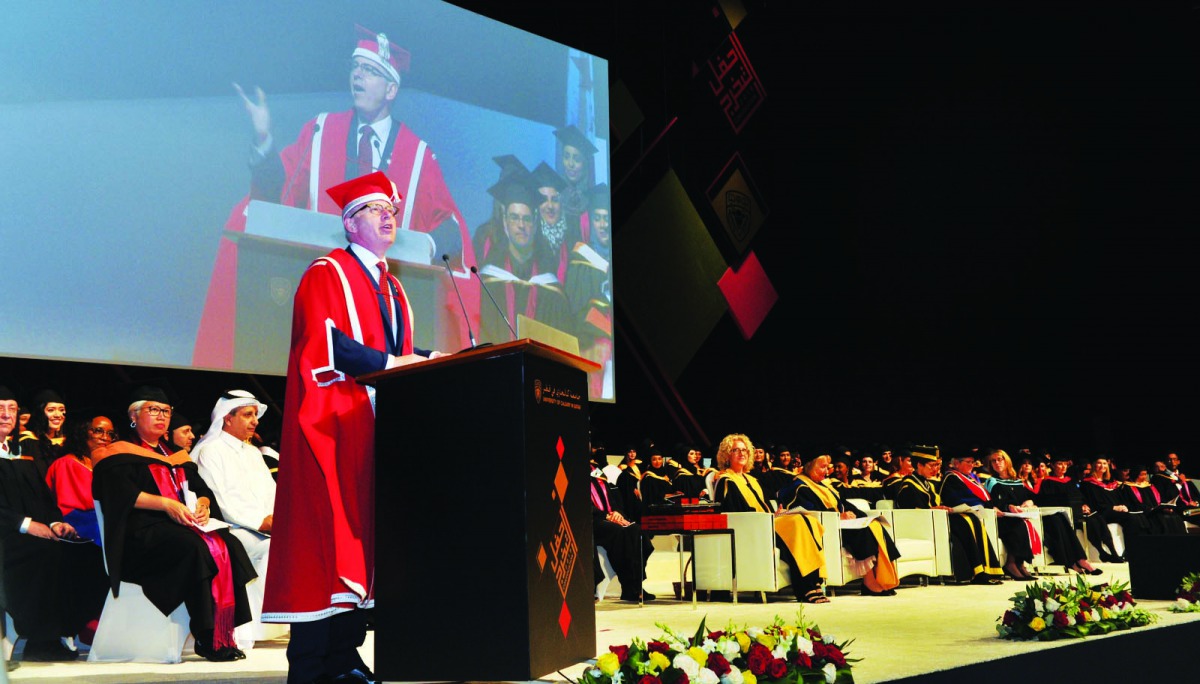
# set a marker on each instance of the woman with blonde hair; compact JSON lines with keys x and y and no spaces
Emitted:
{"x":796,"y":536}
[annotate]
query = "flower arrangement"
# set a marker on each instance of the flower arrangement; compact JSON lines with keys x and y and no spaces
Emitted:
{"x":791,"y":653}
{"x":1046,"y":611}
{"x":1187,"y":596}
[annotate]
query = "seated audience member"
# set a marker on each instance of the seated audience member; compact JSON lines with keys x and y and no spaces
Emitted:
{"x":842,"y":467}
{"x":627,"y":482}
{"x":1175,"y":487}
{"x":761,"y":464}
{"x":780,"y":475}
{"x":70,"y":478}
{"x":242,"y":483}
{"x":1112,"y":500}
{"x":183,"y":438}
{"x":31,"y":527}
{"x":152,"y":501}
{"x":973,"y":556}
{"x":1164,"y":518}
{"x":902,"y":467}
{"x":962,"y":486}
{"x":868,"y":483}
{"x":886,"y":464}
{"x":627,"y":547}
{"x":1058,"y":489}
{"x":1013,"y":494}
{"x":690,"y":476}
{"x":798,"y":537}
{"x":45,"y":437}
{"x":657,"y":480}
{"x":872,"y":547}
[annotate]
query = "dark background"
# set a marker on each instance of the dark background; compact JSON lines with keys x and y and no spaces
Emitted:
{"x":979,"y":226}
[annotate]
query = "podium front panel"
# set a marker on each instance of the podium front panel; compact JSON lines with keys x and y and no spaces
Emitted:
{"x":483,"y":521}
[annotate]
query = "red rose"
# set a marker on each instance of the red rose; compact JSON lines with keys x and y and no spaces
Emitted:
{"x":647,"y":679}
{"x":758,"y":657}
{"x":1010,"y":618}
{"x":718,"y":664}
{"x":716,"y":635}
{"x":802,"y":660}
{"x":1060,"y":619}
{"x":1126,"y":597}
{"x":621,"y":651}
{"x":658,"y":647}
{"x":778,"y":668}
{"x":835,"y":655}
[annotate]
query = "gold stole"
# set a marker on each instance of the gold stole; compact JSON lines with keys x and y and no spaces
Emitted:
{"x":885,"y":567}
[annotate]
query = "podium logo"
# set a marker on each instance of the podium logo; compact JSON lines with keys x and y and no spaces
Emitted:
{"x":282,"y":290}
{"x":537,"y":391}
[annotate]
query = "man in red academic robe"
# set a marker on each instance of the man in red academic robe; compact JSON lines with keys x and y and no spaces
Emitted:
{"x":332,"y":148}
{"x":350,"y":317}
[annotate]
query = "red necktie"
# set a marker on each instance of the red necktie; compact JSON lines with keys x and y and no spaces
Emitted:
{"x":366,"y":161}
{"x":385,"y":288}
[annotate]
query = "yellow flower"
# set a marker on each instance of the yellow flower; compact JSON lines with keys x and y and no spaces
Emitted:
{"x":1037,"y":624}
{"x":743,"y":640}
{"x":608,"y":663}
{"x":788,"y":631}
{"x":658,"y":662}
{"x":767,"y":640}
{"x":748,"y":677}
{"x":699,"y":655}
{"x":1104,"y":613}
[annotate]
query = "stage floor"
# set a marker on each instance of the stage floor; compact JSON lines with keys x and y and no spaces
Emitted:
{"x":919,"y":631}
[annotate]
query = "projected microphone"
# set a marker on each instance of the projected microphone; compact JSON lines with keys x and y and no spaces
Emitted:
{"x":466,"y":319}
{"x":498,"y":309}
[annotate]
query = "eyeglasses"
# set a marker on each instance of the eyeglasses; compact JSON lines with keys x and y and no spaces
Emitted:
{"x":158,"y":410}
{"x":378,"y":209}
{"x":101,"y":432}
{"x":520,"y":218}
{"x":739,"y":450}
{"x":367,"y":68}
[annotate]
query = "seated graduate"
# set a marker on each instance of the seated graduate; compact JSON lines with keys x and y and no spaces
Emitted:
{"x":781,"y":473}
{"x":868,"y":482}
{"x":1057,"y":488}
{"x":962,"y":486}
{"x":627,"y":482}
{"x":1009,"y":490}
{"x":46,"y":431}
{"x":798,"y":537}
{"x":31,"y":529}
{"x":657,"y":480}
{"x":1112,"y":500}
{"x":902,"y":467}
{"x":1164,"y":516}
{"x":153,"y":535}
{"x":690,"y":471}
{"x":973,"y":556}
{"x":627,"y":547}
{"x":70,"y":478}
{"x":873,"y":549}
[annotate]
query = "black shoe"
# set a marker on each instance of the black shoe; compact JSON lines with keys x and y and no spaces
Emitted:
{"x":48,"y":652}
{"x":866,"y":591}
{"x":647,"y":596}
{"x":220,"y":655}
{"x":1111,"y":558}
{"x":984,"y":579}
{"x":238,"y":654}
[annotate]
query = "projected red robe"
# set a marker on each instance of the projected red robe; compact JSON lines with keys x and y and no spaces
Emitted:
{"x":324,"y":530}
{"x":323,"y":145}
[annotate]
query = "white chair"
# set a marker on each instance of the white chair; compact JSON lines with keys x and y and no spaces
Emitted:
{"x":915,"y":537}
{"x":759,"y":567}
{"x":133,"y":630}
{"x":1118,"y":537}
{"x":609,"y":573}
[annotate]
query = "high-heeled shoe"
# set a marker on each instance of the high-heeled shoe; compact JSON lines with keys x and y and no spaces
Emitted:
{"x":1084,"y":571}
{"x":1111,"y":558}
{"x":1019,"y":576}
{"x":866,"y":591}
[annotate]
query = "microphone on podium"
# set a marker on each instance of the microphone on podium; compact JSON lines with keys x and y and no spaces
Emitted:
{"x":498,"y":309}
{"x":466,"y":318}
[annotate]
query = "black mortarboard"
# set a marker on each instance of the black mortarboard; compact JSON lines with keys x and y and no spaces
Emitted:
{"x":516,"y":192}
{"x":509,"y":165}
{"x":924,"y":453}
{"x":599,"y":197}
{"x":570,"y":135}
{"x":545,"y":177}
{"x":47,"y":396}
{"x":178,"y":420}
{"x":149,"y":393}
{"x":6,"y":394}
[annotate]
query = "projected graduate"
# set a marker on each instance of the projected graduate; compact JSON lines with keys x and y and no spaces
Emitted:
{"x":332,"y":148}
{"x":589,"y":293}
{"x":520,"y":273}
{"x":350,"y":317}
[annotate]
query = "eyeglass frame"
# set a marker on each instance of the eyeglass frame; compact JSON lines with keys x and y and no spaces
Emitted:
{"x":377,"y":209}
{"x":369,"y":69}
{"x":101,"y":432}
{"x":159,"y":410}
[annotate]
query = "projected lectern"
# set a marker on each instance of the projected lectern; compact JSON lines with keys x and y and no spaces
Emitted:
{"x":483,"y":522}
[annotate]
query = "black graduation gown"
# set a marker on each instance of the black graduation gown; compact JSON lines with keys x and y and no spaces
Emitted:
{"x":1065,"y":492}
{"x":1103,"y":498}
{"x":32,"y":587}
{"x":620,"y":542}
{"x":972,"y":553}
{"x":861,"y":543}
{"x":1057,"y":533}
{"x":170,"y":562}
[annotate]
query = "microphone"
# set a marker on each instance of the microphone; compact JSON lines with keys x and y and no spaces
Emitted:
{"x":466,"y":318}
{"x":498,"y":309}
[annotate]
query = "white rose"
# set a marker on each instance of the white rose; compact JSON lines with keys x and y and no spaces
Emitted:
{"x":1182,"y":603}
{"x":754,"y":632}
{"x":780,"y":651}
{"x":1052,"y":605}
{"x":1038,"y":608}
{"x":679,"y":646}
{"x":686,"y":663}
{"x":830,"y":671}
{"x":706,"y":676}
{"x":828,"y":638}
{"x":1095,"y":615}
{"x":729,"y":648}
{"x":804,"y":646}
{"x":734,"y":676}
{"x":709,"y":645}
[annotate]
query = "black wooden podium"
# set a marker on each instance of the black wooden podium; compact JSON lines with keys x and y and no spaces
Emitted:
{"x":484,"y":538}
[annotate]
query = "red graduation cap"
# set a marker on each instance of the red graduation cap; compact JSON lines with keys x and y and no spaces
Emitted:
{"x":376,"y":48}
{"x":356,"y":192}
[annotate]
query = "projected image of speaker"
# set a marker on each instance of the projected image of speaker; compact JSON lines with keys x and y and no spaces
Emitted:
{"x":1158,"y":562}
